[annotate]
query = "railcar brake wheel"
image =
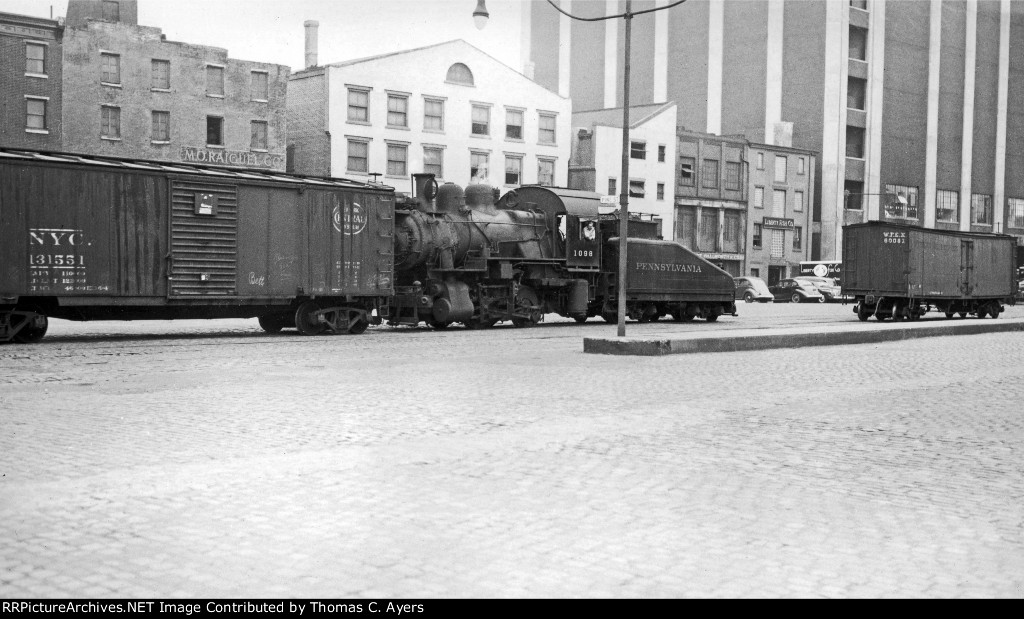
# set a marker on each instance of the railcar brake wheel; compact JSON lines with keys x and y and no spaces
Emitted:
{"x":307,"y":320}
{"x":33,"y":333}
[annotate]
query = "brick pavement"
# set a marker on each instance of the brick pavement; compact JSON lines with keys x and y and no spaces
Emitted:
{"x":411,"y":463}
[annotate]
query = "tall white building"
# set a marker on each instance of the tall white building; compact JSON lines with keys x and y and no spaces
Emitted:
{"x":449,"y":109}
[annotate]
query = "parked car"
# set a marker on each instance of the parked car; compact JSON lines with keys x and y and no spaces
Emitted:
{"x":796,"y":292}
{"x":752,"y":289}
{"x":825,"y":285}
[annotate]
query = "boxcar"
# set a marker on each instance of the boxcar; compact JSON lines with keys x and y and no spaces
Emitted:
{"x":901,"y":271}
{"x":91,"y":238}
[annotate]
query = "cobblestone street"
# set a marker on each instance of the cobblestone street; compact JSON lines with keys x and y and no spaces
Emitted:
{"x":208,"y":459}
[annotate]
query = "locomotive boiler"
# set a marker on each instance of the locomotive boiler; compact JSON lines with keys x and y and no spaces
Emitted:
{"x":470,"y":257}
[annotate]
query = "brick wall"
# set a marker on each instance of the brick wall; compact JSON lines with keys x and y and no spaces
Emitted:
{"x":15,"y":84}
{"x":309,"y":143}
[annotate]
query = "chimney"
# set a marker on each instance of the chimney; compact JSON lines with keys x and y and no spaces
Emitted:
{"x":311,"y":31}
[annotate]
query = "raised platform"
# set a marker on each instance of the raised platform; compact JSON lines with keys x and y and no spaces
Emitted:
{"x":736,"y":340}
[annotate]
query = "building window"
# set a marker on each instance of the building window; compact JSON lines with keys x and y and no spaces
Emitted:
{"x":358,"y":105}
{"x":433,"y":115}
{"x":781,"y":168}
{"x":779,"y":202}
{"x":161,"y":127}
{"x":855,"y":142}
{"x":546,"y":131}
{"x":859,"y":4}
{"x":398,"y":110}
{"x":661,"y":153}
{"x":757,"y":236}
{"x":481,"y":120}
{"x":858,"y":43}
{"x":398,"y":157}
{"x":798,"y":201}
{"x":514,"y":124}
{"x":709,"y":173}
{"x":661,"y":191}
{"x":708,"y":240}
{"x":637,"y":189}
{"x":546,"y":172}
{"x":111,"y":68}
{"x":853,"y":192}
{"x":731,"y":231}
{"x":801,"y":165}
{"x":1016,"y":212}
{"x":110,"y":122}
{"x":214,"y":131}
{"x":758,"y":197}
{"x":161,"y":75}
{"x":778,"y":249}
{"x":259,"y":135}
{"x":732,"y":175}
{"x":259,"y":87}
{"x":111,"y":11}
{"x":35,"y":114}
{"x":513,"y":170}
{"x":459,"y":73}
{"x":981,"y":209}
{"x":947,"y":206}
{"x":798,"y":238}
{"x":686,"y":176}
{"x":35,"y":58}
{"x":901,"y":201}
{"x":760,"y":161}
{"x":856,"y":93}
{"x":613,"y":186}
{"x":478,"y":167}
{"x":433,"y":161}
{"x":358,"y":156}
{"x":638,"y":150}
{"x":214,"y":81}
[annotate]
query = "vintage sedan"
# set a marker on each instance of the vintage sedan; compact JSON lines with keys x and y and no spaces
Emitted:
{"x":796,"y":291}
{"x":825,"y":285}
{"x":752,"y":289}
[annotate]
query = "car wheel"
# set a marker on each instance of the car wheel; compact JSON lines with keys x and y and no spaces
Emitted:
{"x":821,"y":299}
{"x":795,"y":298}
{"x":748,"y":296}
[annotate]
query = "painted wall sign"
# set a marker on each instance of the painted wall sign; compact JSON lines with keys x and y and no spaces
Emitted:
{"x":243,"y":159}
{"x":778,"y":222}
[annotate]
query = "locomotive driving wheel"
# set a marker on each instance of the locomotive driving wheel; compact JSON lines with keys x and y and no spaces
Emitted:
{"x":526,"y":303}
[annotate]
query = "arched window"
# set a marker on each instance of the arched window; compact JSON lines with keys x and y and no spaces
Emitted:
{"x":460,"y":74}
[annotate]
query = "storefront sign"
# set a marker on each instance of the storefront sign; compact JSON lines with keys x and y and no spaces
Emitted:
{"x":721,"y":256}
{"x":776,"y":222}
{"x":242,"y":159}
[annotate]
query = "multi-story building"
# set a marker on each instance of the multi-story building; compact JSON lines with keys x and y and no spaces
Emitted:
{"x":780,"y":189}
{"x":139,"y":95}
{"x":898,"y":97}
{"x":596,"y":160}
{"x":447,"y":109}
{"x":30,"y":74}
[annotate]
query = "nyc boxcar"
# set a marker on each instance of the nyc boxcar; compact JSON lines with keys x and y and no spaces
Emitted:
{"x":90,"y":238}
{"x":901,"y":271}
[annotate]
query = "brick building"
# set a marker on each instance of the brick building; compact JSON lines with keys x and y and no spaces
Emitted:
{"x":139,"y":95}
{"x":30,"y":82}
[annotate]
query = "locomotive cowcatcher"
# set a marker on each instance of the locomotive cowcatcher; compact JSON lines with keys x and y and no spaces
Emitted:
{"x":467,"y":256}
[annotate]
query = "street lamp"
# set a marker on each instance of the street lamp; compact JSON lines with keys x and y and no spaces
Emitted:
{"x":624,"y":194}
{"x":480,"y":15}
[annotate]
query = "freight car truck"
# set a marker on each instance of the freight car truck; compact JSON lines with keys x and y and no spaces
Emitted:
{"x":902,"y":271}
{"x":94,"y":238}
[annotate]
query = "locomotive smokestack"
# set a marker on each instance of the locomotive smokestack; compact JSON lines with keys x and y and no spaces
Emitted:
{"x":312,"y":27}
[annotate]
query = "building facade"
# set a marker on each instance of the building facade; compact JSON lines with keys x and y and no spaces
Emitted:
{"x":138,"y":95}
{"x":30,"y":82}
{"x":447,"y":109}
{"x":910,"y":105}
{"x":596,"y":160}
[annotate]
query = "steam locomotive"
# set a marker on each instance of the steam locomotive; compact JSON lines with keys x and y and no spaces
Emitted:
{"x":471,"y":257}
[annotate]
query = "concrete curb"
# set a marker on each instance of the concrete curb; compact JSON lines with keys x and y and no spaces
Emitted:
{"x":736,"y":341}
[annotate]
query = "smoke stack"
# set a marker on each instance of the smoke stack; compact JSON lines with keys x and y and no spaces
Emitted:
{"x":311,"y":41}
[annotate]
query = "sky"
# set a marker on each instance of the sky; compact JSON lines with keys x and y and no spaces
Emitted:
{"x":272,"y":30}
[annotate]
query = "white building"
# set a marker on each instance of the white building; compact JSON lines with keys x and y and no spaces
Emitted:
{"x":448,"y":108}
{"x":596,"y":160}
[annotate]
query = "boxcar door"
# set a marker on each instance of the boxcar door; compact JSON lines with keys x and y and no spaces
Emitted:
{"x":204,"y":244}
{"x":966,"y":267}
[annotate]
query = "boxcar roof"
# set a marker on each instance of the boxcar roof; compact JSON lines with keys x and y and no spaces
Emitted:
{"x":242,"y":174}
{"x":909,"y":226}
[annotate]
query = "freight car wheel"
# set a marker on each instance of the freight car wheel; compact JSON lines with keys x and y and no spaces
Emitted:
{"x":358,"y":326}
{"x":610,"y":317}
{"x":273,"y":323}
{"x":863,"y":314}
{"x":440,"y":325}
{"x":994,"y":312}
{"x":307,"y":320}
{"x":581,"y":319}
{"x":982,"y":313}
{"x":795,"y":298}
{"x":34,"y":333}
{"x":962,"y":314}
{"x":949,"y":315}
